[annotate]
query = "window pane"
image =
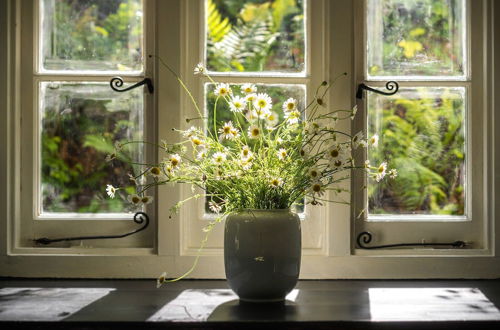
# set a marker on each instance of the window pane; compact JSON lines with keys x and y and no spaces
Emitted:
{"x":416,"y":37}
{"x":422,"y":135}
{"x":97,"y":35}
{"x":279,"y":93}
{"x":255,"y":35}
{"x":80,"y":124}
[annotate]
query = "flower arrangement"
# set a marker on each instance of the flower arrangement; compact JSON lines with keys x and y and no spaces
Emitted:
{"x":295,"y":160}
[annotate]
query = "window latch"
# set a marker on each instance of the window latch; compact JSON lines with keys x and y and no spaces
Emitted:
{"x":117,"y":82}
{"x":366,"y":237}
{"x":391,"y":86}
{"x":139,"y":218}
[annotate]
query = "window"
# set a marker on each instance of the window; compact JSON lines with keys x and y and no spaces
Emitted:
{"x":59,"y":103}
{"x":428,"y":129}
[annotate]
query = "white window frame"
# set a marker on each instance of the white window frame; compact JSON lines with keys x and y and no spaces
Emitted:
{"x":339,"y":257}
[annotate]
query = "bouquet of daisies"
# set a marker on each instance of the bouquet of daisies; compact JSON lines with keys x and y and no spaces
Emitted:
{"x":260,"y":158}
{"x":255,"y":160}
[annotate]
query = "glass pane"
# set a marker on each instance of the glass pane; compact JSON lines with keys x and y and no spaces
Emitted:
{"x":96,"y":35}
{"x":278,"y":94}
{"x":416,"y":37}
{"x":255,"y":35}
{"x":422,"y":135}
{"x":80,"y":124}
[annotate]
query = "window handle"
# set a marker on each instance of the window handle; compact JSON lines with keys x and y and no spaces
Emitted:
{"x":365,"y":237}
{"x":117,"y":82}
{"x":391,"y":86}
{"x":139,"y":217}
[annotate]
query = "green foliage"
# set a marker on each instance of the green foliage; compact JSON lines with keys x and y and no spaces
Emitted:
{"x":255,"y":35}
{"x":423,"y":136}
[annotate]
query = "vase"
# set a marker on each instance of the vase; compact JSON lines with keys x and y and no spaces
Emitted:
{"x":262,"y":252}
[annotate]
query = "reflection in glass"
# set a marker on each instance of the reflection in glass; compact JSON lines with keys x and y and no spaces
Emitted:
{"x":430,"y":304}
{"x":416,"y":38}
{"x":80,"y":124}
{"x":422,"y":135}
{"x":279,"y":93}
{"x":255,"y":35}
{"x":96,"y":35}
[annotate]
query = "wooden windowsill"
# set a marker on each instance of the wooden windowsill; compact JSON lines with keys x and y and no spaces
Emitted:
{"x":210,"y":304}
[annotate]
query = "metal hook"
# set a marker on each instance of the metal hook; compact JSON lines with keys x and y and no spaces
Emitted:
{"x":390,"y":85}
{"x":116,"y":82}
{"x":139,"y":217}
{"x":365,"y":237}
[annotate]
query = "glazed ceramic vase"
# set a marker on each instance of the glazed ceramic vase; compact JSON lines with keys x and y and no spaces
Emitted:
{"x":262,"y":251}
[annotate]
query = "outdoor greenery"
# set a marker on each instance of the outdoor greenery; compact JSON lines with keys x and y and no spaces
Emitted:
{"x":421,"y":133}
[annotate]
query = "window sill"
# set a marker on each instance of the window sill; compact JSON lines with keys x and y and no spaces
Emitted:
{"x":110,"y":304}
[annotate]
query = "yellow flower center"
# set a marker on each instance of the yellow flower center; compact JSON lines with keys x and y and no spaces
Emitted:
{"x":334,"y":153}
{"x":262,"y":103}
{"x":227,"y":129}
{"x":245,"y":152}
{"x":222,"y":91}
{"x":174,"y":162}
{"x":290,"y":106}
{"x":136,"y":199}
{"x":155,"y":171}
{"x":316,"y":188}
{"x":314,"y":173}
{"x":145,"y":199}
{"x":255,"y":132}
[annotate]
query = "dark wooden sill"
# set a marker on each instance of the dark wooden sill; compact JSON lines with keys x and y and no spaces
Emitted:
{"x":202,"y":304}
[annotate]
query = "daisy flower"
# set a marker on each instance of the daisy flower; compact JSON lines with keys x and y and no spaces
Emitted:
{"x":134,"y":199}
{"x":263,"y":102}
{"x":254,"y":132}
{"x":246,"y":163}
{"x":246,"y":153}
{"x":250,"y":98}
{"x":272,"y":119}
{"x":237,"y":104}
{"x":110,"y":190}
{"x":222,"y":89}
{"x":160,"y":280}
{"x":248,"y":88}
{"x":312,"y":127}
{"x":334,"y":152}
{"x":290,"y":105}
{"x":196,"y":140}
{"x":146,"y":199}
{"x":292,"y":117}
{"x":199,"y":69}
{"x":155,"y":171}
{"x":218,"y":158}
{"x":282,"y":154}
{"x":393,"y":173}
{"x":381,"y":171}
{"x":317,"y":189}
{"x":357,"y":140}
{"x":314,"y":172}
{"x":228,"y":131}
{"x":191,"y":131}
{"x":174,"y":160}
{"x":373,"y":140}
{"x":276,"y":182}
{"x":202,"y":154}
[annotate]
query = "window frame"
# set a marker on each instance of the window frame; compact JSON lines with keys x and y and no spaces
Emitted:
{"x":405,"y":228}
{"x":343,"y":260}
